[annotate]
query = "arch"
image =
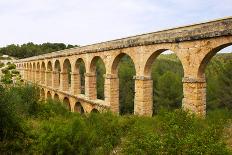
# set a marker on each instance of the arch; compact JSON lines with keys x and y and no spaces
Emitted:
{"x":56,"y":75}
{"x":116,"y":61}
{"x":67,"y":103}
{"x":214,"y":73}
{"x":30,"y":65}
{"x":57,"y":66}
{"x":38,"y":66}
{"x":94,"y":110}
{"x":165,"y":75}
{"x":97,"y":67}
{"x":49,"y":66}
{"x":56,"y":97}
{"x":34,"y":66}
{"x":42,"y":70}
{"x":79,"y":108}
{"x":125,"y":85}
{"x":30,"y":74}
{"x":49,"y":74}
{"x":208,"y":57}
{"x":42,"y":94}
{"x":152,"y":58}
{"x":78,"y":64}
{"x":37,"y":72}
{"x":49,"y":95}
{"x":93,"y":62}
{"x":81,"y":70}
{"x":66,"y":75}
{"x":67,"y":66}
{"x":33,"y":71}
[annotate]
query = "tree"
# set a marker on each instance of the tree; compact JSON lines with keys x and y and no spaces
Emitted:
{"x":126,"y":71}
{"x":225,"y":85}
{"x":30,"y":49}
{"x":169,"y":91}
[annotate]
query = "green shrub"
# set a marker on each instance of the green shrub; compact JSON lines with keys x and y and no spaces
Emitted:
{"x":30,"y":126}
{"x":15,"y":72}
{"x":29,"y":95}
{"x":2,"y":64}
{"x":64,"y":136}
{"x":175,"y":133}
{"x":51,"y":109}
{"x":11,"y":66}
{"x":108,"y":128}
{"x":13,"y":128}
{"x":5,"y":71}
{"x":7,"y":78}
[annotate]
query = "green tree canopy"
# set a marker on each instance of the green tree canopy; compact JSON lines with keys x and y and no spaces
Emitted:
{"x":30,"y":49}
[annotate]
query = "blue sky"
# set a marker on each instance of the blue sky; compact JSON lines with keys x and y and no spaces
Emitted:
{"x":89,"y":21}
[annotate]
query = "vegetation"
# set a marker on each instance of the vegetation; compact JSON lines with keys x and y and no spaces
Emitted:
{"x":9,"y":74}
{"x":30,"y":126}
{"x":2,"y":64}
{"x":31,"y":49}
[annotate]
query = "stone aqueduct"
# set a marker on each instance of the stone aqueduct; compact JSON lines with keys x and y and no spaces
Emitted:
{"x":194,"y":45}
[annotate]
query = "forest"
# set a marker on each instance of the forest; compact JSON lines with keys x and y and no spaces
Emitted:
{"x":30,"y":49}
{"x":31,"y":126}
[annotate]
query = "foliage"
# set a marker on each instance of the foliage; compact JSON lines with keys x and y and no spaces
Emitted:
{"x":8,"y":73}
{"x":30,"y":49}
{"x":30,"y":126}
{"x":225,"y":85}
{"x":7,"y":78}
{"x":126,"y":71}
{"x":15,"y":72}
{"x":219,"y":82}
{"x":2,"y":64}
{"x":100,"y":71}
{"x":5,"y":70}
{"x":11,"y":66}
{"x":175,"y":133}
{"x":169,"y":91}
{"x":13,"y":131}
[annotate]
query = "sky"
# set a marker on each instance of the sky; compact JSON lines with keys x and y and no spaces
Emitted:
{"x":83,"y":22}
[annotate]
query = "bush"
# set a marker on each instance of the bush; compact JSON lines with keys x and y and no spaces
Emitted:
{"x":30,"y":126}
{"x":64,"y":136}
{"x":7,"y":78}
{"x":15,"y":72}
{"x":2,"y":64}
{"x":28,"y":97}
{"x":51,"y":109}
{"x":11,"y":66}
{"x":13,"y":129}
{"x":5,"y":71}
{"x":175,"y":133}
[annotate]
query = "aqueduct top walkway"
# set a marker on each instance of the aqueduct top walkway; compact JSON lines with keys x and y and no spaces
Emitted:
{"x":194,"y":45}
